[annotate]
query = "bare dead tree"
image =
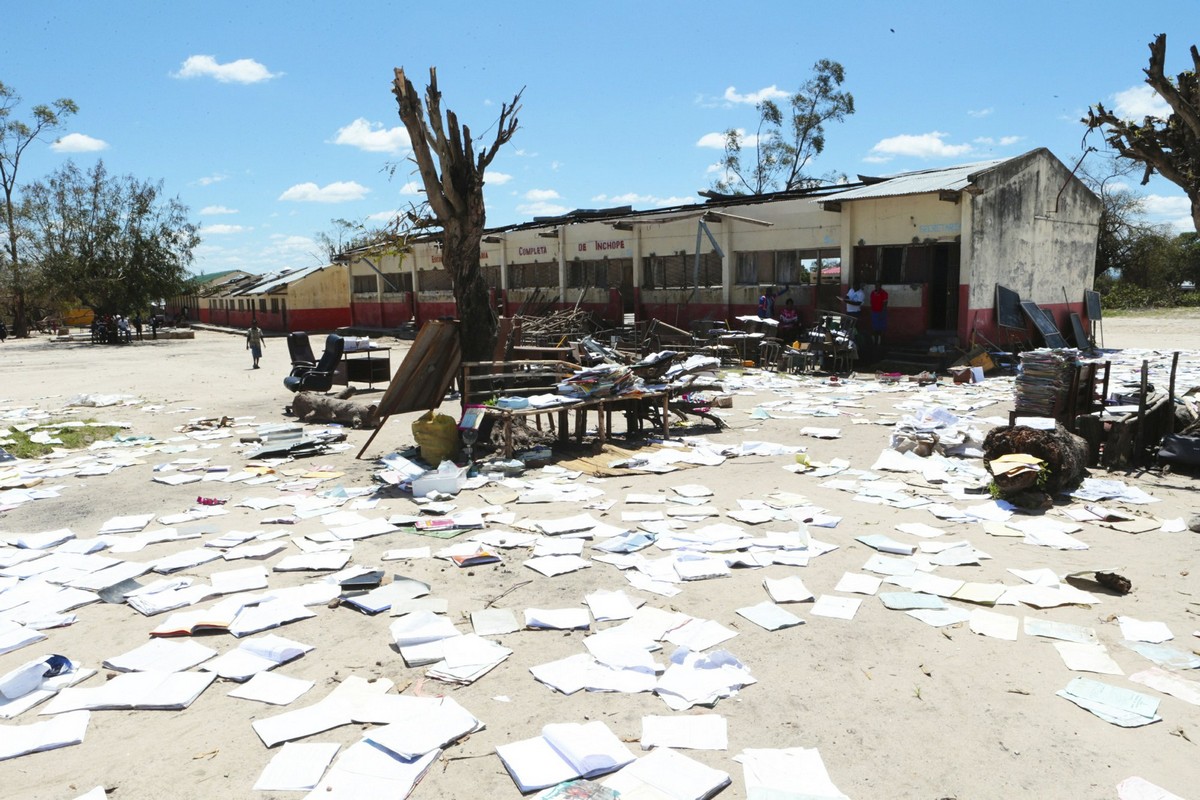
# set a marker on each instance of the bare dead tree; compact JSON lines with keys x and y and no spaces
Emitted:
{"x":1171,"y":146}
{"x":454,"y":191}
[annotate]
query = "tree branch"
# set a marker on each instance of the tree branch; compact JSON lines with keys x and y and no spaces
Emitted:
{"x":1167,"y":90}
{"x":413,"y":117}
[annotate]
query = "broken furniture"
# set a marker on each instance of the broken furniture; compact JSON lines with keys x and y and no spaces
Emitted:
{"x":371,"y":364}
{"x":485,"y":380}
{"x":320,"y":377}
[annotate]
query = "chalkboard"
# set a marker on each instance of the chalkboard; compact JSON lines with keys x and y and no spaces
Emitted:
{"x":1081,"y":338}
{"x":1042,"y":320}
{"x":1092,"y":301}
{"x":1008,"y":308}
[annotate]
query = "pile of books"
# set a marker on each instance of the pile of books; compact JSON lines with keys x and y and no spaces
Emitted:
{"x":602,"y":380}
{"x":1044,"y":380}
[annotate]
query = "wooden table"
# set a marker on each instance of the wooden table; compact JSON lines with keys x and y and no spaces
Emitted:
{"x":603,"y":406}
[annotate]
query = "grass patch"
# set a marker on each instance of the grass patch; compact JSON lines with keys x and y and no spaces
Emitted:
{"x":74,"y":437}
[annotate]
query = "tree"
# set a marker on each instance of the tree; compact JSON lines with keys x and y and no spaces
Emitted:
{"x":113,"y":243}
{"x":454,"y":192}
{"x":782,"y":152}
{"x":15,"y":136}
{"x":1122,"y":218}
{"x":1170,"y":147}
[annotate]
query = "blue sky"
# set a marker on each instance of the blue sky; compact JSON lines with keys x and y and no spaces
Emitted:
{"x":269,"y":119}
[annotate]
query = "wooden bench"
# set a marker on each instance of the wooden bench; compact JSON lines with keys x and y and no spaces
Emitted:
{"x":484,"y":380}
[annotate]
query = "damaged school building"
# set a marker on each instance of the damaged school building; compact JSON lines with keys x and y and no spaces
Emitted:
{"x":939,"y":240}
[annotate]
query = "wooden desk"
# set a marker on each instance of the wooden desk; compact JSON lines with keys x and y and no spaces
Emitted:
{"x":603,"y":406}
{"x":369,"y":365}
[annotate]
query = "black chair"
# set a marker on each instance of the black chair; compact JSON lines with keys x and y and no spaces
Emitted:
{"x":301,"y":352}
{"x":320,"y":377}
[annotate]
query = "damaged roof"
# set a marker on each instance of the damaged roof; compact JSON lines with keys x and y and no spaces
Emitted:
{"x":948,"y":179}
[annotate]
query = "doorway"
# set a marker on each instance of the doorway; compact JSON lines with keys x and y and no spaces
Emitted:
{"x":943,"y":288}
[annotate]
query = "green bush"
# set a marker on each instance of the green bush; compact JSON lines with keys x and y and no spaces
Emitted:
{"x":1128,"y":296}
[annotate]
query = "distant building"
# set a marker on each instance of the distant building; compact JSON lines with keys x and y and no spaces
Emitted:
{"x":939,"y":240}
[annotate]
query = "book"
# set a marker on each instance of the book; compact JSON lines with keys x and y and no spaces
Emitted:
{"x":564,"y":751}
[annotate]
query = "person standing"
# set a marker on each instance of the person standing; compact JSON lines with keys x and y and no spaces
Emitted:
{"x":879,"y":303}
{"x":789,"y":322}
{"x":137,"y":324}
{"x":254,"y":342}
{"x":766,"y":301}
{"x":854,"y":300}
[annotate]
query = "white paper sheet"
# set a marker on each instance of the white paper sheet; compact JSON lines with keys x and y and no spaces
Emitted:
{"x":272,"y":688}
{"x":63,"y":731}
{"x":297,"y":767}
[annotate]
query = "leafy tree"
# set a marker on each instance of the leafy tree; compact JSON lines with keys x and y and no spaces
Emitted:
{"x":785,"y":144}
{"x":15,"y":137}
{"x":454,"y":192}
{"x":1155,"y":261}
{"x":114,"y":243}
{"x":1122,"y":218}
{"x":1168,"y":146}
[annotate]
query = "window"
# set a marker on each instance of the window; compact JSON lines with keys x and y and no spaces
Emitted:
{"x":262,"y":304}
{"x":397,"y":282}
{"x":529,"y":276}
{"x":365,"y":284}
{"x":747,"y":269}
{"x":587,"y":274}
{"x":435,"y":280}
{"x":491,"y":275}
{"x":274,"y":305}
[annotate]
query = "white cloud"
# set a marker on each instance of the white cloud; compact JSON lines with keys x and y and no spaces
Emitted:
{"x":78,"y":143}
{"x":337,"y":192}
{"x":541,"y":195}
{"x":383,"y":216}
{"x":715,"y":140}
{"x":520,"y":151}
{"x":923,"y":145}
{"x":292,"y":243}
{"x":645,"y":200}
{"x":209,"y":180}
{"x":412,"y":188}
{"x":373,"y":137}
{"x":244,"y":70}
{"x":1140,"y":101}
{"x":1003,"y":141}
{"x":541,"y":209}
{"x":771,"y":92}
{"x":219,"y":230}
{"x":980,"y":113}
{"x":497,"y":178}
{"x":212,"y":211}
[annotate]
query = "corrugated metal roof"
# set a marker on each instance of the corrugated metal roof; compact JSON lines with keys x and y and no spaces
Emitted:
{"x":280,"y":279}
{"x":952,"y":179}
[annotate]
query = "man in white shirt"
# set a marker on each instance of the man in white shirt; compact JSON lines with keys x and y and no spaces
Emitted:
{"x":854,"y":300}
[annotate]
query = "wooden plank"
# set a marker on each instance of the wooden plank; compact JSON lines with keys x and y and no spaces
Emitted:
{"x":425,"y":375}
{"x":421,"y":381}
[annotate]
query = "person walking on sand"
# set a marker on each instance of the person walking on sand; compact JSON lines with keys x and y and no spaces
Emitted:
{"x":255,"y":342}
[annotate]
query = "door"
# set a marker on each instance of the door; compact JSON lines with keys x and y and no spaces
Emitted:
{"x":943,"y":288}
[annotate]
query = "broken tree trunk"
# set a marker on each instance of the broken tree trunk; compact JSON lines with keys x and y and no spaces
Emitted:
{"x":1065,"y":454}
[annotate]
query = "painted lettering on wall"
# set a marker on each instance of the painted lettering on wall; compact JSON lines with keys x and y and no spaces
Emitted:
{"x":945,"y":228}
{"x":539,"y":250}
{"x":602,"y":246}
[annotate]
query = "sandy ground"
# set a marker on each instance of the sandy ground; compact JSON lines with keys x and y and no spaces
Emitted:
{"x":898,"y":709}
